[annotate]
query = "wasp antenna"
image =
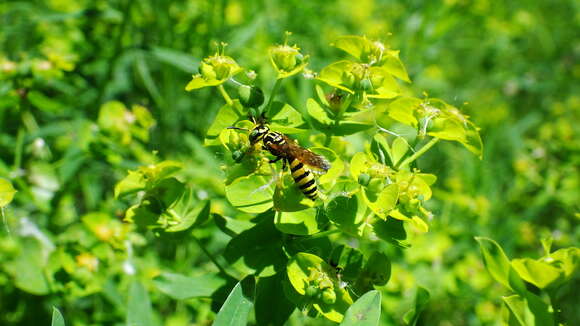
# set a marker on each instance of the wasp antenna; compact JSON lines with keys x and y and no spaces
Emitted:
{"x":237,"y":128}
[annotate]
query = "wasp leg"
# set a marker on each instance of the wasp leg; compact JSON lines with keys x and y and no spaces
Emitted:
{"x":278,"y":158}
{"x":284,"y":165}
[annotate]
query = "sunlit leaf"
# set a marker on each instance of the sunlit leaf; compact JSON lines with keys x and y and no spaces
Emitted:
{"x":7,"y":192}
{"x":366,"y":311}
{"x":301,"y":222}
{"x":299,"y":270}
{"x":250,"y":194}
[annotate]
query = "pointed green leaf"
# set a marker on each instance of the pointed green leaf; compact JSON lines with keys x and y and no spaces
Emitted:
{"x":57,"y":318}
{"x":539,"y":273}
{"x":421,"y":299}
{"x":498,"y":265}
{"x":394,"y":65}
{"x":236,"y":309}
{"x":139,"y":311}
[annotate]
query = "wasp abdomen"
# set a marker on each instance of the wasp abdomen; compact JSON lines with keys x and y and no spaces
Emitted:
{"x":303,"y":178}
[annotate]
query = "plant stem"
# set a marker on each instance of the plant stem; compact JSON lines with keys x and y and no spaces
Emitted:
{"x":209,"y":255}
{"x":225,"y":95}
{"x":273,"y":93}
{"x":323,"y":234}
{"x":418,"y":153}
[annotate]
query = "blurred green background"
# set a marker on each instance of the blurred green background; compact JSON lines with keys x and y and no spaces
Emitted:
{"x":512,"y":66}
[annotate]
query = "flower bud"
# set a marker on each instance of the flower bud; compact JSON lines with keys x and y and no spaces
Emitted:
{"x":207,"y":71}
{"x":285,"y":57}
{"x":364,"y":179}
{"x":375,"y":185}
{"x":329,"y":296}
{"x":366,"y":85}
{"x":311,"y":291}
{"x":251,"y":96}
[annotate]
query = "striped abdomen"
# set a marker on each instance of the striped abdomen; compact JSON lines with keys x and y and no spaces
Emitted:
{"x":303,"y":178}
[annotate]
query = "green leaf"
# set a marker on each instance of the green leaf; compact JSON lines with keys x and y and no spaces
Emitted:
{"x":378,"y":268}
{"x":528,"y":310}
{"x":421,"y":299}
{"x":498,"y":265}
{"x":57,"y":318}
{"x":227,"y":116}
{"x":181,"y":287}
{"x":250,"y":194}
{"x":285,"y":119}
{"x":288,"y":197}
{"x":539,"y":273}
{"x":383,"y":202}
{"x":518,"y":310}
{"x":352,"y":44}
{"x":7,"y":192}
{"x":188,"y":211}
{"x":399,"y":148}
{"x":28,"y":268}
{"x":450,"y":124}
{"x":45,"y":103}
{"x":403,"y":110}
{"x":567,"y":260}
{"x":236,"y":309}
{"x":394,"y":65}
{"x":366,"y":311}
{"x":178,"y":59}
{"x":359,"y":163}
{"x":349,"y":260}
{"x":348,"y":213}
{"x":318,"y":113}
{"x":139,"y":311}
{"x":392,"y":231}
{"x":333,"y":75}
{"x":232,"y":226}
{"x":299,"y":270}
{"x":496,"y":262}
{"x":384,"y":86}
{"x":257,"y":250}
{"x":272,"y":306}
{"x":328,"y":179}
{"x":298,"y":223}
{"x":197,"y":81}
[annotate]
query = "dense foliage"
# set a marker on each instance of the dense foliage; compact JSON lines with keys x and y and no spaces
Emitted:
{"x":453,"y":196}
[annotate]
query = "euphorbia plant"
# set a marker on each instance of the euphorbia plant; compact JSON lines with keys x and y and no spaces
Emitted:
{"x":301,"y":249}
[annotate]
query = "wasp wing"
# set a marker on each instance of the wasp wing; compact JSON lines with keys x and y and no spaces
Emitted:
{"x":306,"y":156}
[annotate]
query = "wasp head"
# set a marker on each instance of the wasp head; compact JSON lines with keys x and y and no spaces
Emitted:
{"x":258,"y":133}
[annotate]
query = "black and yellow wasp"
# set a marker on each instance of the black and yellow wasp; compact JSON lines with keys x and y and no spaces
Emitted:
{"x":300,"y":160}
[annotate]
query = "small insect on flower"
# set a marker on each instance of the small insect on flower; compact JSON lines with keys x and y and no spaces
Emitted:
{"x":300,"y":160}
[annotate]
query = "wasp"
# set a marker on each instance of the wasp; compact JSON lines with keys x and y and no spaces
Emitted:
{"x":300,"y":160}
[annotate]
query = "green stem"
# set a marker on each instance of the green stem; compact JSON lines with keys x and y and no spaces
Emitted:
{"x":209,"y":255}
{"x":418,"y":153}
{"x":18,"y":150}
{"x":225,"y":95}
{"x":273,"y":93}
{"x":323,"y":234}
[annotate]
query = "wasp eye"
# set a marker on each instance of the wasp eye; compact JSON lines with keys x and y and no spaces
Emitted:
{"x":254,"y":134}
